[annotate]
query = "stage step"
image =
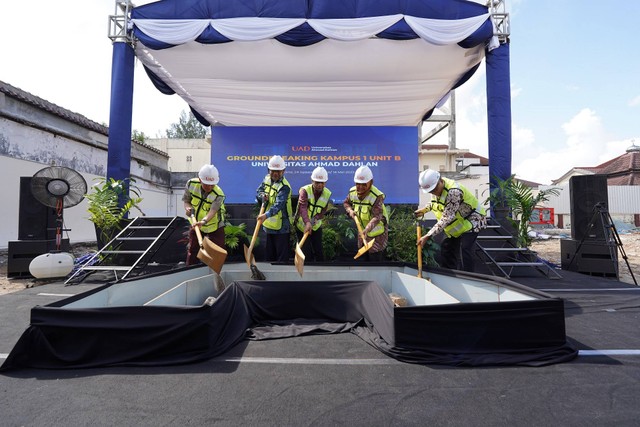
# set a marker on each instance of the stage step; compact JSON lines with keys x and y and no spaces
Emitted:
{"x":131,"y":249}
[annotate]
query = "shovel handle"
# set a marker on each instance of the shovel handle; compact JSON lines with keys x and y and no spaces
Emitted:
{"x":360,"y":231}
{"x":249,"y":250}
{"x":192,"y":220}
{"x":419,"y":235}
{"x":304,"y":237}
{"x":257,"y":229}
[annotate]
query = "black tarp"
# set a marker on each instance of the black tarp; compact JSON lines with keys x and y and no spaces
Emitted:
{"x":528,"y":333}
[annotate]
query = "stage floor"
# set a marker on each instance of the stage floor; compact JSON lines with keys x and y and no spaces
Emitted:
{"x":340,"y":380}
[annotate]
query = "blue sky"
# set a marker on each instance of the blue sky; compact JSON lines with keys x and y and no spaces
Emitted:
{"x":575,"y":67}
{"x":575,"y":80}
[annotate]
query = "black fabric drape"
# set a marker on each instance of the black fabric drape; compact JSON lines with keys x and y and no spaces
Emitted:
{"x":469,"y":334}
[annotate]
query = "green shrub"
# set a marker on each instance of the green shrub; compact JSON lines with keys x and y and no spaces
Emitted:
{"x":234,"y":235}
{"x":403,"y":238}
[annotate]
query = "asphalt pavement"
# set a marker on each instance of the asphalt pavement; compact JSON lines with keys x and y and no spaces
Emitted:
{"x":341,"y":380}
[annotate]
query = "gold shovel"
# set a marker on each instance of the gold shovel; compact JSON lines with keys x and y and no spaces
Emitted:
{"x":210,"y":253}
{"x":419,"y":235}
{"x":299,"y":258}
{"x":248,"y":251}
{"x":365,"y":245}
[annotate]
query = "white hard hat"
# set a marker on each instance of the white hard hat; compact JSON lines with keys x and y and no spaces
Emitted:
{"x":363,"y":175}
{"x":428,"y":180}
{"x":319,"y":174}
{"x":276,"y":163}
{"x":209,"y":175}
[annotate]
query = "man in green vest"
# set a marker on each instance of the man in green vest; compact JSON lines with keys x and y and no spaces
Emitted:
{"x":365,"y":203}
{"x":313,"y":200}
{"x":459,"y":216}
{"x":275,"y":193}
{"x":204,"y":199}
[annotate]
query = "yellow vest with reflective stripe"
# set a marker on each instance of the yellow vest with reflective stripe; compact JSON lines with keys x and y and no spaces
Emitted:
{"x":314,"y":206}
{"x":363,"y":209}
{"x":272,"y":189}
{"x":202,"y":206}
{"x":460,"y":225}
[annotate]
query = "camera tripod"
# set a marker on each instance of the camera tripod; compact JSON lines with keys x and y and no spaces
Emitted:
{"x":611,"y":237}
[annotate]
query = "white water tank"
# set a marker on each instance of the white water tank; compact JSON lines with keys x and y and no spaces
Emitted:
{"x":58,"y":264}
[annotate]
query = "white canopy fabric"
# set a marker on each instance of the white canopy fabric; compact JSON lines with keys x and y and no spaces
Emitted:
{"x":351,"y":78}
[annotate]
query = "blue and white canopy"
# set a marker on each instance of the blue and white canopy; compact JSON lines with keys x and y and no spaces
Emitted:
{"x":311,"y":62}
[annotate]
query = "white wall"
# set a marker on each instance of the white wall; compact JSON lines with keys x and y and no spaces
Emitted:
{"x":181,"y":150}
{"x":24,"y":150}
{"x":76,"y":218}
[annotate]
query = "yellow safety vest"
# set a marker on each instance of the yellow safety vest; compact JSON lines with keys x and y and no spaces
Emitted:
{"x":460,"y":225}
{"x":363,"y":209}
{"x":315,"y":206}
{"x":203,"y":205}
{"x":272,"y":189}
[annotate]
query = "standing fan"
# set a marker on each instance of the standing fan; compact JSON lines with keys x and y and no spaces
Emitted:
{"x":56,"y":187}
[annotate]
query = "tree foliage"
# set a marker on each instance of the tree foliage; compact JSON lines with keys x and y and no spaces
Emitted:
{"x":188,"y":127}
{"x":138,"y":136}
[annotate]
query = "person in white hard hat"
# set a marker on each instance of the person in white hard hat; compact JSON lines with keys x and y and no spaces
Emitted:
{"x":459,"y":216}
{"x":204,"y":199}
{"x":365,"y":203}
{"x":313,"y":201}
{"x":275,"y":193}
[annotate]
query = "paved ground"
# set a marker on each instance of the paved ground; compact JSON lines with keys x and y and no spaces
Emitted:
{"x":340,"y":380}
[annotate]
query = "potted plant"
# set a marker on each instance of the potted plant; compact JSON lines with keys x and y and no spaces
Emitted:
{"x":109,"y":203}
{"x":519,"y":201}
{"x":235,"y":237}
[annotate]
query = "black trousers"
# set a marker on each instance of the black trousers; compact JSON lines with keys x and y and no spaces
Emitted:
{"x":312,"y":247}
{"x":216,"y":237}
{"x":277,"y":247}
{"x":457,"y":252}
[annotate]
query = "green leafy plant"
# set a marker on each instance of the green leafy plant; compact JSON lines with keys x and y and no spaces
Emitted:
{"x":235,"y":235}
{"x":330,"y":241}
{"x":109,"y":202}
{"x":338,"y":234}
{"x":403,"y":237}
{"x":519,"y":199}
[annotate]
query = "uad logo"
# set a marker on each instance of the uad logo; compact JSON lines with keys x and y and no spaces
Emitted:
{"x":300,"y":148}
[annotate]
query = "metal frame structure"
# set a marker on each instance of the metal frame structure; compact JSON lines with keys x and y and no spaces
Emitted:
{"x":119,"y":22}
{"x":498,"y":10}
{"x":502,"y":29}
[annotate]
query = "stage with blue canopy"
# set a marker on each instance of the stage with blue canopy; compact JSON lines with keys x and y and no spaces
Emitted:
{"x":311,"y":63}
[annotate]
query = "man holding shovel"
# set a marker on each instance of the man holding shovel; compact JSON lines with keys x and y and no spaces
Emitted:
{"x":365,"y":204}
{"x":313,"y":200}
{"x":275,"y":194}
{"x":204,"y":199}
{"x":460,"y":216}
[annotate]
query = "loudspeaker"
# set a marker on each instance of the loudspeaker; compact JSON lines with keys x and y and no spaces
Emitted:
{"x":585,"y":192}
{"x":35,"y":221}
{"x":591,"y":257}
{"x":21,"y":253}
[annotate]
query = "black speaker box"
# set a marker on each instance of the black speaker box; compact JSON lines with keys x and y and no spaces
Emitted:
{"x":585,"y":193}
{"x":591,"y":257}
{"x":35,"y":221}
{"x":21,"y":253}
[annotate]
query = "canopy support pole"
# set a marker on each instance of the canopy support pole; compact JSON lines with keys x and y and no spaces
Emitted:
{"x":120,"y":115}
{"x":499,"y":98}
{"x":499,"y":112}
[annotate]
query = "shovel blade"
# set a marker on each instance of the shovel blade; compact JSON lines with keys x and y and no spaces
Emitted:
{"x":248,"y":256}
{"x":212,"y":255}
{"x":364,"y":249}
{"x":299,"y":260}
